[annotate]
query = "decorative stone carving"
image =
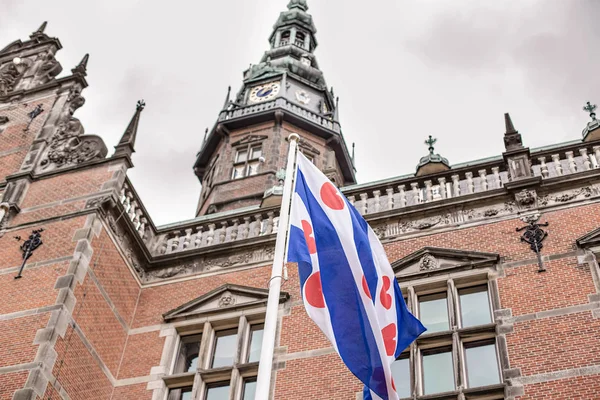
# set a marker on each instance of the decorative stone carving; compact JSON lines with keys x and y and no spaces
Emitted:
{"x":380,"y":231}
{"x":9,"y":76}
{"x":75,"y":100}
{"x":526,"y":198}
{"x":566,"y":197}
{"x":428,"y":263}
{"x":227,"y":300}
{"x":96,"y":202}
{"x":169,"y":272}
{"x":69,"y":147}
{"x":48,"y":69}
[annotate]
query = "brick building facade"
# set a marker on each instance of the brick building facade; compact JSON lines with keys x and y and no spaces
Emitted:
{"x":111,"y":306}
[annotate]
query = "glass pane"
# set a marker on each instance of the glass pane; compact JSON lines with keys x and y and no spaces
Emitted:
{"x":238,"y":172}
{"x":475,"y":306}
{"x":249,"y":390}
{"x":225,"y":349}
{"x":434,"y":312}
{"x":187,"y":360}
{"x":218,"y":393}
{"x":438,"y":373}
{"x":252,"y":168}
{"x":187,"y":394}
{"x":401,"y":375}
{"x":256,"y":337}
{"x":256,"y":152}
{"x":482,"y":365}
{"x":241,"y":156}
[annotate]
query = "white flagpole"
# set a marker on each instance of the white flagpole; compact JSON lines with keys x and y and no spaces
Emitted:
{"x":265,"y":366}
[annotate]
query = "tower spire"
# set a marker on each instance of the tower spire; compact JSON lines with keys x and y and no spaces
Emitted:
{"x":301,"y":4}
{"x":40,"y":31}
{"x":512,"y":137}
{"x":81,"y":68}
{"x":126,"y":146}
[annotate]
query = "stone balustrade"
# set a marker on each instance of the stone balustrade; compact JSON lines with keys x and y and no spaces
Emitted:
{"x":552,"y":163}
{"x":318,"y":119}
{"x":134,"y":210}
{"x":217,"y":231}
{"x":408,"y":192}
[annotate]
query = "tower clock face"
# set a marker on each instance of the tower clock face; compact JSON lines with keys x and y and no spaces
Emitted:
{"x":264,"y":92}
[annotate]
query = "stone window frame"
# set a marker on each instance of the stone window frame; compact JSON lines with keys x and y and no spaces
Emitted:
{"x":246,"y":163}
{"x":205,"y":377}
{"x":455,"y":338}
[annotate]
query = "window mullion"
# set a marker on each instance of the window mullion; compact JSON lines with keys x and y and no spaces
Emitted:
{"x":235,"y":385}
{"x":414,"y":370}
{"x":206,"y":346}
{"x":452,"y":305}
{"x":242,"y":343}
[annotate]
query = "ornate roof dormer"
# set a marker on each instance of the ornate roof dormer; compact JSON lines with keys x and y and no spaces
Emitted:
{"x":432,"y":163}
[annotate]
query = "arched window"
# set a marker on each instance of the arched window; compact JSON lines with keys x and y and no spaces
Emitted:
{"x":300,"y":38}
{"x":285,"y":38}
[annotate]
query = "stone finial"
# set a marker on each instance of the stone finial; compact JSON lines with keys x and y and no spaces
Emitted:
{"x":336,"y":112}
{"x":126,"y":146}
{"x":592,"y":129}
{"x":40,"y":31}
{"x":430,"y":142}
{"x":301,"y":4}
{"x":226,"y":104}
{"x":512,"y":137}
{"x":81,"y":68}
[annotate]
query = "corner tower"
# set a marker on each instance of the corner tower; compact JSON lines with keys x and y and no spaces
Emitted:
{"x":285,"y":93}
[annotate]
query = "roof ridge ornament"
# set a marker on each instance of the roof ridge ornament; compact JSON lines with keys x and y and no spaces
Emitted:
{"x":430,"y":142}
{"x":512,"y":137}
{"x":591,"y":108}
{"x":40,"y":32}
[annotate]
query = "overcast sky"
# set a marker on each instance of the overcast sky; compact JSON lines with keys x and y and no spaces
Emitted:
{"x":404,"y":69}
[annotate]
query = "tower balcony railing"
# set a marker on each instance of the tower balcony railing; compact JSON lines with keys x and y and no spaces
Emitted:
{"x":393,"y":194}
{"x":281,"y":103}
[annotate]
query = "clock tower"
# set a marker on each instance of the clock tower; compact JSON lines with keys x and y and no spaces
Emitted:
{"x":285,"y":93}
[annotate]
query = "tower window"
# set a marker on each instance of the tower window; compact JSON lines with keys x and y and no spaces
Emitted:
{"x":285,"y":38}
{"x":300,"y":38}
{"x":247,"y":161}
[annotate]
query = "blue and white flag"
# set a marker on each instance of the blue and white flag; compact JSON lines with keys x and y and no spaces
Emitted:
{"x":348,"y":286}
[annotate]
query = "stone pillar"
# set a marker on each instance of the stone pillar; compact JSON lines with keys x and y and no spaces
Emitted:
{"x":544,"y":167}
{"x":572,"y":165}
{"x":402,"y":190}
{"x":496,"y":172}
{"x":390,"y":198}
{"x":456,"y":184}
{"x":557,"y":164}
{"x":483,"y":177}
{"x":442,"y":182}
{"x":586,"y":159}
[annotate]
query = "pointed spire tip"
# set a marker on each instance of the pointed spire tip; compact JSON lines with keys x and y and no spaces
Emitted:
{"x":510,"y":128}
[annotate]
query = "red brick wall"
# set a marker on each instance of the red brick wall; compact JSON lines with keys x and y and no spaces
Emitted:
{"x":16,"y":340}
{"x":78,"y":372}
{"x":9,"y":383}
{"x":33,"y":291}
{"x":138,"y":363}
{"x":137,"y":392}
{"x":14,"y":140}
{"x":66,"y":186}
{"x":115,"y":276}
{"x":57,"y":238}
{"x":99,"y":324}
{"x":580,"y":388}
{"x":316,"y":378}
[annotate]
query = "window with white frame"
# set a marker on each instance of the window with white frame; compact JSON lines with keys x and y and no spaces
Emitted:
{"x":246,"y":161}
{"x":223,"y":354}
{"x":459,"y":352}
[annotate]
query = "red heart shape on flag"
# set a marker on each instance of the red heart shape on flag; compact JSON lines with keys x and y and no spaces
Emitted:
{"x":331,"y":197}
{"x":385,"y":298}
{"x":389,"y":339}
{"x":308,"y":236}
{"x":314,"y":291}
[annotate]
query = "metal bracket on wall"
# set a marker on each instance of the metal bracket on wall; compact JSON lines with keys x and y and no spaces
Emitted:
{"x":534,"y":235}
{"x":29,"y":246}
